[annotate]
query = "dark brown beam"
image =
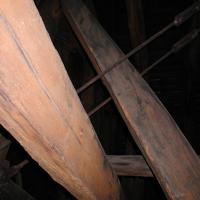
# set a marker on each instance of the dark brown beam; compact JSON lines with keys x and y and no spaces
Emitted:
{"x":40,"y":107}
{"x":168,"y":153}
{"x":130,"y":166}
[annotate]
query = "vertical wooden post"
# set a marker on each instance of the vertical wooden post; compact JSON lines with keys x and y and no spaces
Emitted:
{"x":41,"y":109}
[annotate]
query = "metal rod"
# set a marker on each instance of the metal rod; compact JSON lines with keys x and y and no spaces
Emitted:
{"x":176,"y":47}
{"x":187,"y":13}
{"x":178,"y":20}
{"x":100,"y":106}
{"x":125,"y":57}
{"x":165,"y":56}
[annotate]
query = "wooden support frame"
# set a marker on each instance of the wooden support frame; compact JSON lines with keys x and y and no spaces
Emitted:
{"x":130,"y":165}
{"x":168,"y":153}
{"x":40,"y":108}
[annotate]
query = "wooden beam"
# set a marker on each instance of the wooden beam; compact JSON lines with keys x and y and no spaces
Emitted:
{"x":40,"y":108}
{"x":130,"y":166}
{"x":168,"y":153}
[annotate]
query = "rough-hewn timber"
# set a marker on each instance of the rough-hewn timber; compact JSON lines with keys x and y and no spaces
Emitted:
{"x":41,"y":109}
{"x":168,"y":153}
{"x":130,"y":166}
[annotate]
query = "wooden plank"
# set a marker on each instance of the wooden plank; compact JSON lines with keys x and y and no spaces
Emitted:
{"x":40,"y":108}
{"x":130,"y":165}
{"x":136,"y":25}
{"x":168,"y":153}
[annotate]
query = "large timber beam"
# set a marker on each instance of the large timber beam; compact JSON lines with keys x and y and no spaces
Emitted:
{"x":40,"y":108}
{"x":168,"y":153}
{"x":128,"y":165}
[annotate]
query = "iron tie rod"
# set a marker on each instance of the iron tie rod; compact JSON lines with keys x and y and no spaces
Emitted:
{"x":178,"y":20}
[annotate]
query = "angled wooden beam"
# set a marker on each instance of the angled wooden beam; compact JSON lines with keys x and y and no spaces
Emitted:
{"x":168,"y":153}
{"x":130,"y":165}
{"x":40,"y":108}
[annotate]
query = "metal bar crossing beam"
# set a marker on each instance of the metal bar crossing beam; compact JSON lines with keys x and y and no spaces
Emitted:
{"x":169,"y":155}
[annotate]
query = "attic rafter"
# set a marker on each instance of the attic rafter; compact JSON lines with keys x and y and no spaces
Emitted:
{"x":40,"y":107}
{"x":168,"y":153}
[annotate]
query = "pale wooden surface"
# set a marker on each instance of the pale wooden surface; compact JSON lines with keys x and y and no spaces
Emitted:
{"x":40,"y":108}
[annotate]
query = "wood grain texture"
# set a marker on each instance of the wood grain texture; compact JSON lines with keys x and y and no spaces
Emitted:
{"x":130,"y":166}
{"x":40,"y":108}
{"x":168,"y":153}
